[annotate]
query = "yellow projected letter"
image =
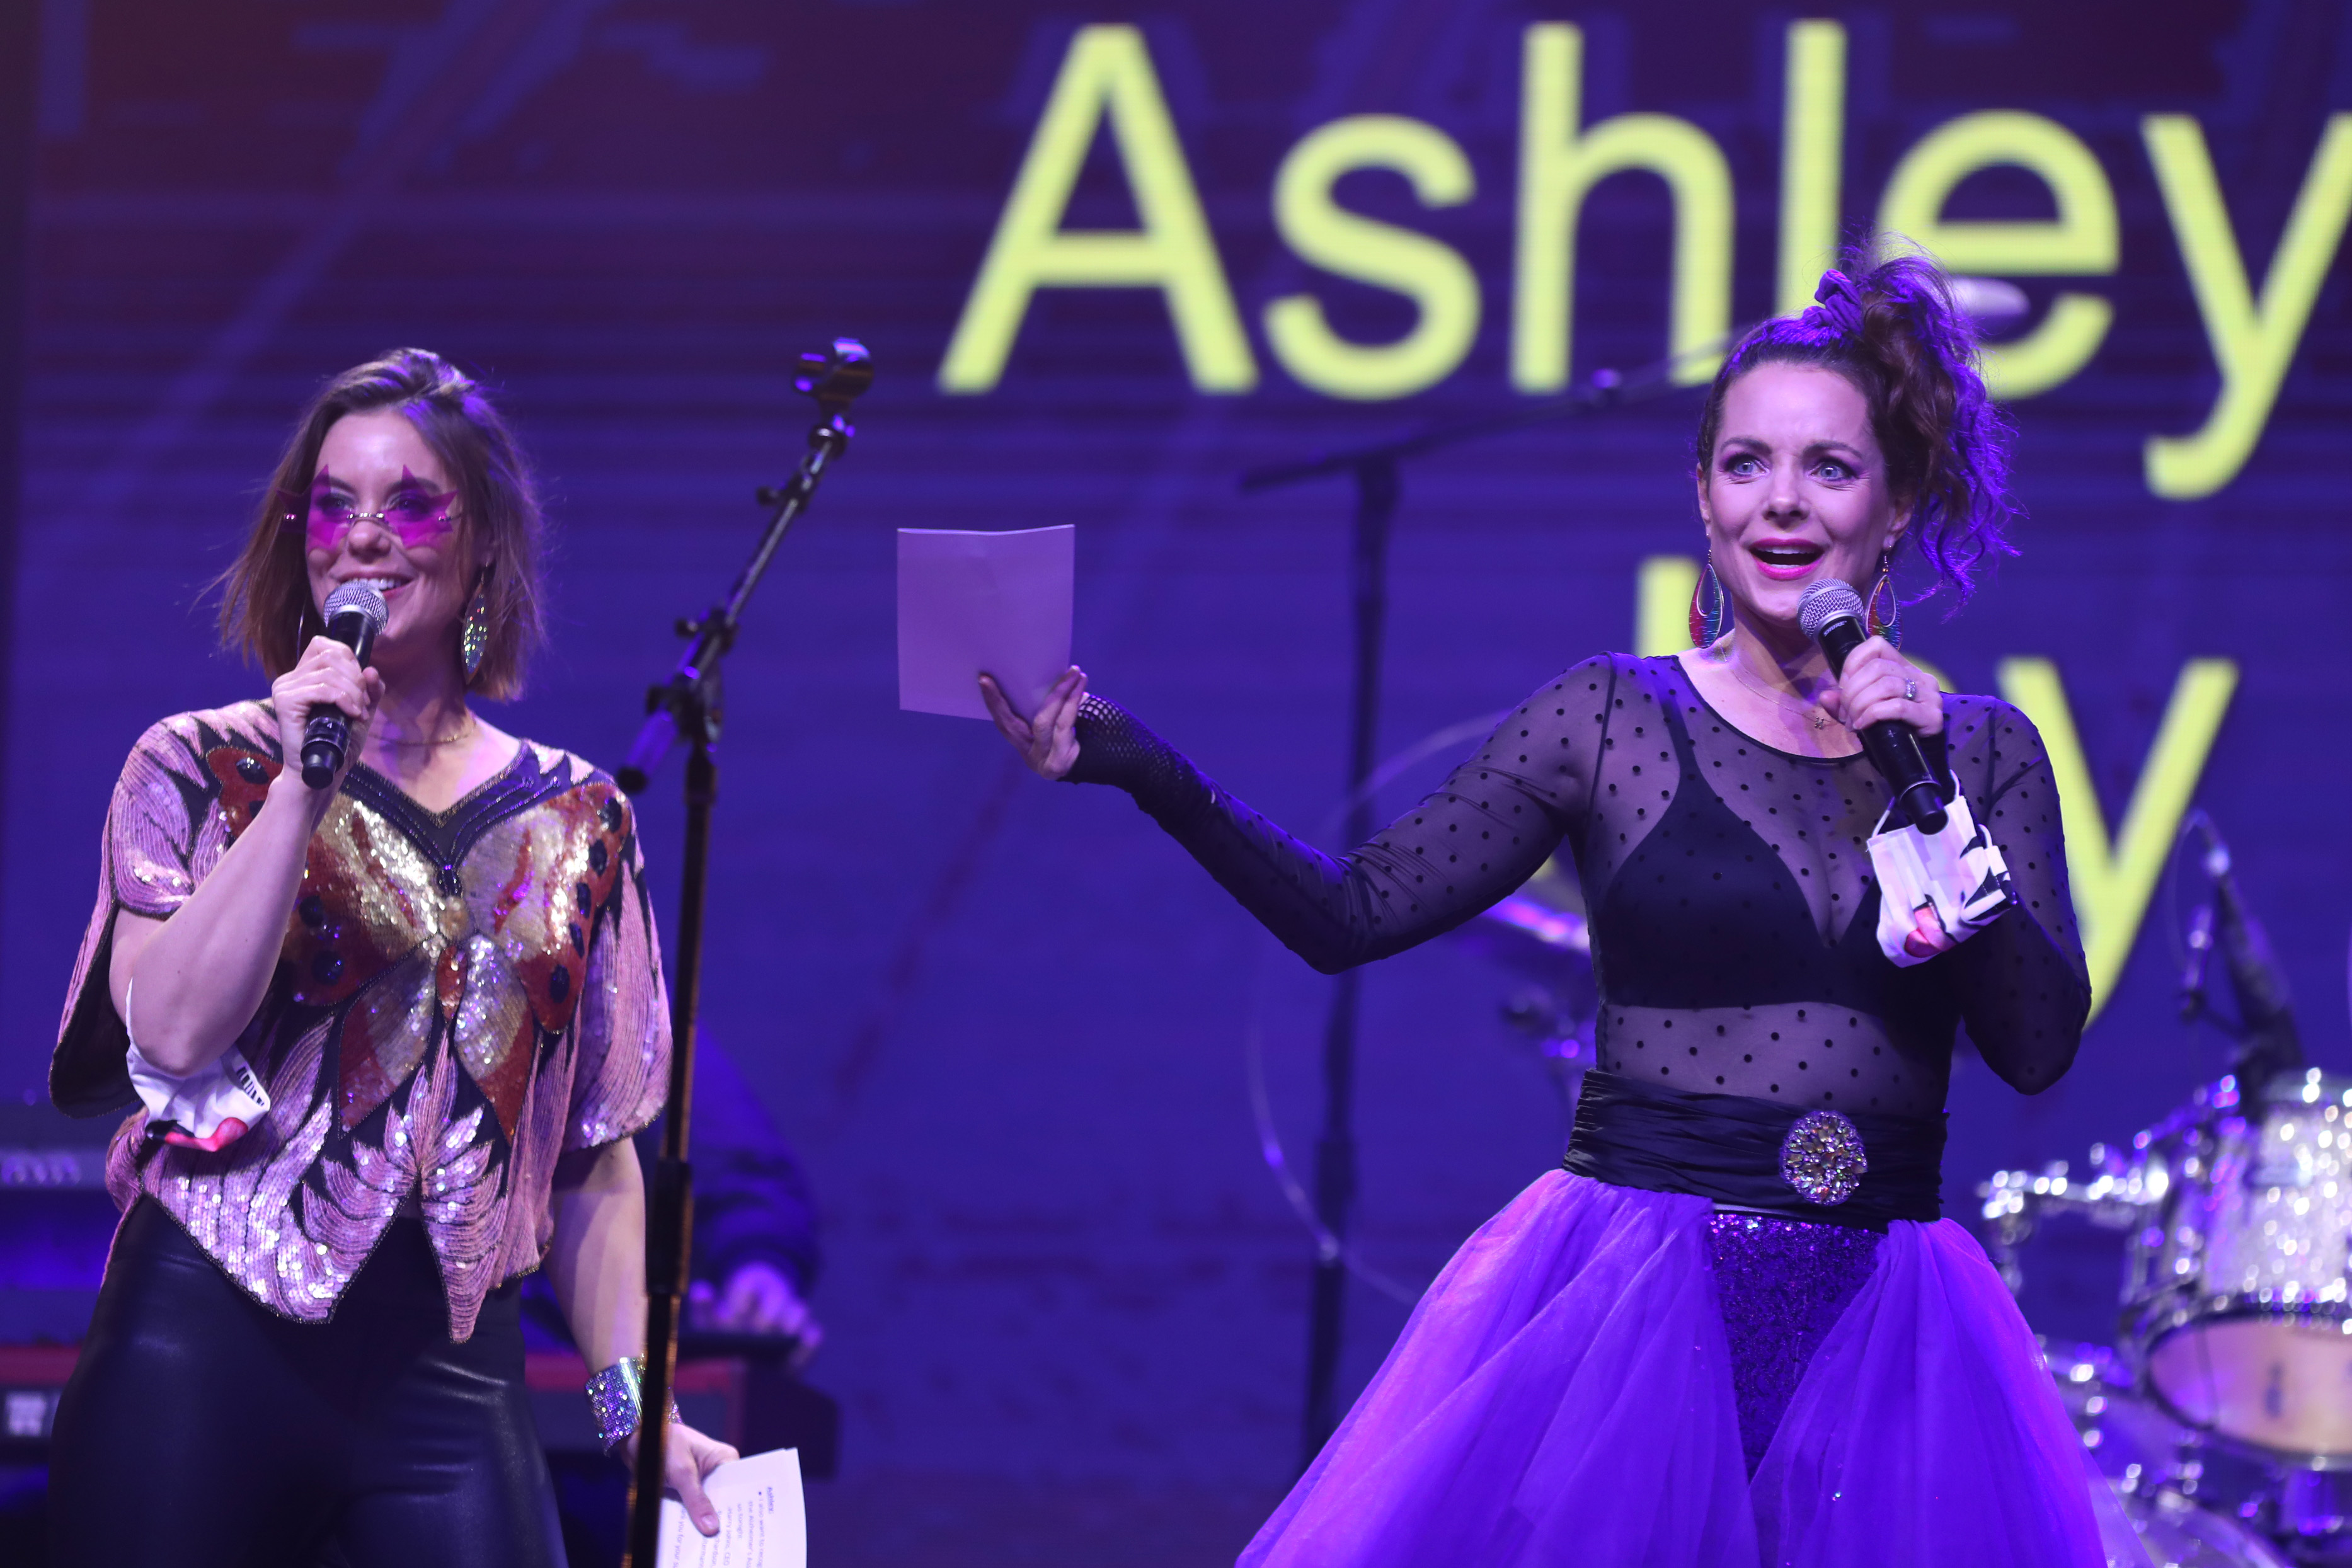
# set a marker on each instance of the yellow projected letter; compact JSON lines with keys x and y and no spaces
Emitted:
{"x":1106,"y":74}
{"x":1431,"y":274}
{"x":1557,"y":165}
{"x":2252,"y":340}
{"x":1662,"y":598}
{"x":2112,"y":879}
{"x":1813,"y":157}
{"x":2081,"y":241}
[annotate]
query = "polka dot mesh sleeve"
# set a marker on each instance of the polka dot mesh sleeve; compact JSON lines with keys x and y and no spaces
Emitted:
{"x":1481,"y":834}
{"x":1730,"y":886}
{"x":2021,"y":986}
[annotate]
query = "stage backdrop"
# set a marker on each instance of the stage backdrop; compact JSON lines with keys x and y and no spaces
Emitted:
{"x":1107,"y":257}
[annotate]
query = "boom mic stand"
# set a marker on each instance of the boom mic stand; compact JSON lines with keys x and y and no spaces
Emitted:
{"x":2264,"y":1041}
{"x":688,"y":706}
{"x":1375,"y":469}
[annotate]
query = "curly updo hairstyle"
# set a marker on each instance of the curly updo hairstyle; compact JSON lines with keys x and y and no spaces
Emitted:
{"x":266,"y":611}
{"x":1893,"y":331}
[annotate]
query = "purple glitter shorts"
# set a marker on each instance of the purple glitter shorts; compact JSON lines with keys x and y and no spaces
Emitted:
{"x":1783,"y":1285}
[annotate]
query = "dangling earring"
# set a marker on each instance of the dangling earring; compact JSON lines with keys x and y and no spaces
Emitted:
{"x":473,"y":634}
{"x":1890,"y":625}
{"x":1710,"y":611}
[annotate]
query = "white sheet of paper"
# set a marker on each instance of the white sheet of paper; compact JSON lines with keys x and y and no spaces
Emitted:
{"x":762,"y":1524}
{"x":967,"y":602}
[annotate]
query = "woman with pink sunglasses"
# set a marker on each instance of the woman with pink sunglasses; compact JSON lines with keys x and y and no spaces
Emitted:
{"x":383,"y":1044}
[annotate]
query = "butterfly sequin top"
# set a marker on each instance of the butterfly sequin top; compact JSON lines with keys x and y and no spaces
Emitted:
{"x":461,"y":998}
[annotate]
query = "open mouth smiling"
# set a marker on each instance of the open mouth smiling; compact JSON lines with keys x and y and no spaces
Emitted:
{"x":1785,"y":557}
{"x":383,"y":585}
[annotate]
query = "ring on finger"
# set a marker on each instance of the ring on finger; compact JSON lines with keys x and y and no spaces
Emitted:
{"x":1910,"y":691}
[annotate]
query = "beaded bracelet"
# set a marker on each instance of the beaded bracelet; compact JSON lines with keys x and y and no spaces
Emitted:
{"x":615,"y":1400}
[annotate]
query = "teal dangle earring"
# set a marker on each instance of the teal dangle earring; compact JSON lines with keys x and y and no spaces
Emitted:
{"x":1710,"y":609}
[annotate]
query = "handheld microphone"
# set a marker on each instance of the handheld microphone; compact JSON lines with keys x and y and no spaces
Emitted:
{"x":355,"y":612}
{"x":1830,"y":614}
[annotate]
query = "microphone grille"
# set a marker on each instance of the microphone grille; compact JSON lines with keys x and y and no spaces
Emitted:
{"x":360,"y":598}
{"x":1827,"y":601}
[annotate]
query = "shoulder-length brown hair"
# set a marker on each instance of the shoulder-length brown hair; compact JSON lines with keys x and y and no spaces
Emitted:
{"x":267,"y":612}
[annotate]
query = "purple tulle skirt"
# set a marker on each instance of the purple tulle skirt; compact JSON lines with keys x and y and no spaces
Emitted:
{"x":1564,"y":1395}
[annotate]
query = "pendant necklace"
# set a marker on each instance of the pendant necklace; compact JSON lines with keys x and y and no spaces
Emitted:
{"x":1811,"y":712}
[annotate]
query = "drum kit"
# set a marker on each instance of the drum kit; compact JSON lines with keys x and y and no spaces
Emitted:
{"x":2222,"y":1420}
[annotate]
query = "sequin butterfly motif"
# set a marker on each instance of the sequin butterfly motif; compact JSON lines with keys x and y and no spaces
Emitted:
{"x":486,"y":951}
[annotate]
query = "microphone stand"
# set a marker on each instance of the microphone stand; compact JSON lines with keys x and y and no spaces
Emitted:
{"x":2264,"y":1041}
{"x":689,"y":708}
{"x":1375,"y":469}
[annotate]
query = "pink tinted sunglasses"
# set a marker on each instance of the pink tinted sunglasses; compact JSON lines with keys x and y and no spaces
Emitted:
{"x":412,"y":516}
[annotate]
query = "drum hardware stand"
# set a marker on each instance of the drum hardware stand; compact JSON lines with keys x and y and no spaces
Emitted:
{"x":2310,"y":1510}
{"x":2181,"y":1478}
{"x":1376,"y":470}
{"x":689,"y":706}
{"x":2014,"y":1201}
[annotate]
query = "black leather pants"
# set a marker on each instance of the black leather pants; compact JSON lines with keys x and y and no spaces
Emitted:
{"x":199,"y":1429}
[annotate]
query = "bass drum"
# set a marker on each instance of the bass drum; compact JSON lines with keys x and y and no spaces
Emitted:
{"x":2135,"y":1451}
{"x":2237,"y":1301}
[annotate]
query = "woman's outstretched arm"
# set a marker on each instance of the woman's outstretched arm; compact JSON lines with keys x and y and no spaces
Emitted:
{"x":1473,"y":840}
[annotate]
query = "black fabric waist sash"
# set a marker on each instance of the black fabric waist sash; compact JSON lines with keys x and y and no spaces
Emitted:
{"x":1728,"y":1148}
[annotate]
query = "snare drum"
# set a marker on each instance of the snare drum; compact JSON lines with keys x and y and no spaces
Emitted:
{"x":2236,"y":1301}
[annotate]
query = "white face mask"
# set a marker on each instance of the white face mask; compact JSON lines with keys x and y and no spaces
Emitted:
{"x":1936,"y":890}
{"x":208,"y":1109}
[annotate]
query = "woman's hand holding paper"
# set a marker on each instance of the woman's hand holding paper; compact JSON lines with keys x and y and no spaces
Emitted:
{"x":1047,"y":739}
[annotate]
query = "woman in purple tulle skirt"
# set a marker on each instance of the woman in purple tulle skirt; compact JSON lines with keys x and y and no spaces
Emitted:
{"x":1733,"y":1330}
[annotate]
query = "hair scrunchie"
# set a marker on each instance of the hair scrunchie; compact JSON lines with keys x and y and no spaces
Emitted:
{"x":1840,"y":307}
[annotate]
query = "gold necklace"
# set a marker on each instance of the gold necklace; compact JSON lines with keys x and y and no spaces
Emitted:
{"x":1811,"y":711}
{"x":460,"y":733}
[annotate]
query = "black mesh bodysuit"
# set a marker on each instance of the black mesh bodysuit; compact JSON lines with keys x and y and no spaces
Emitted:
{"x":1732,"y":906}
